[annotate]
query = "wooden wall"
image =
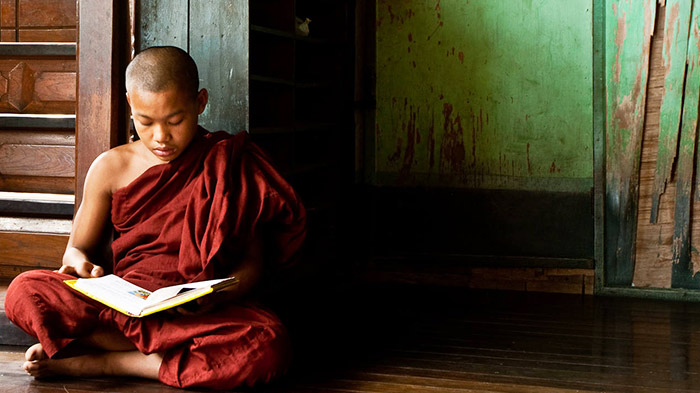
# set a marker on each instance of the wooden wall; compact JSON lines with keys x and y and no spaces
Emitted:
{"x":652,"y":84}
{"x":478,"y":156}
{"x":215,"y":33}
{"x":38,"y":20}
{"x":37,"y":131}
{"x":484,"y":95}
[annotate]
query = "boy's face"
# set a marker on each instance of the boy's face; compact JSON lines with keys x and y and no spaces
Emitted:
{"x":166,"y":121}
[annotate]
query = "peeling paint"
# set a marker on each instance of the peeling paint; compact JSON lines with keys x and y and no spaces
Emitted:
{"x":675,"y":48}
{"x":467,"y":76}
{"x":628,"y":47}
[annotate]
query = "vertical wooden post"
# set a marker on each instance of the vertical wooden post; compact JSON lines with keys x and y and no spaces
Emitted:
{"x":98,"y":93}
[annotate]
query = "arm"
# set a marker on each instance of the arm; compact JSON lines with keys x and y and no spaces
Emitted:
{"x":89,"y":222}
{"x":249,"y":271}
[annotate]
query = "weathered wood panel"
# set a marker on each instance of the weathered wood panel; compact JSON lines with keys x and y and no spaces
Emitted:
{"x":162,"y":22}
{"x":682,"y":273}
{"x":653,"y":243}
{"x":217,"y":40}
{"x":37,"y":86}
{"x":675,"y":45}
{"x":629,"y":27}
{"x":665,"y":253}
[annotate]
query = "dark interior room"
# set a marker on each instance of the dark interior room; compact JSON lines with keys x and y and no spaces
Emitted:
{"x":499,"y":196}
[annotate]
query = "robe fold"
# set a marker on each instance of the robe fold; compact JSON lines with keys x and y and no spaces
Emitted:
{"x":188,"y":220}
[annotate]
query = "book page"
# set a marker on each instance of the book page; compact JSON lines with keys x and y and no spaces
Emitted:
{"x":169,"y":292}
{"x":116,"y":292}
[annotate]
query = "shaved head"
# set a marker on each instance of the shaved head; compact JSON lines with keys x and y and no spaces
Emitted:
{"x":160,"y":68}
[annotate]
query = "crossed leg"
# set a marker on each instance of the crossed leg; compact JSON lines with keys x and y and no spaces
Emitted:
{"x":105,"y":352}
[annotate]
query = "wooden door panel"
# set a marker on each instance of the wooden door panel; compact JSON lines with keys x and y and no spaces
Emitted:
{"x":32,"y":160}
{"x":30,"y":85}
{"x":25,"y":251}
{"x":47,"y":13}
{"x":46,"y":35}
{"x":37,"y":160}
{"x":38,"y":20}
{"x":60,"y":185}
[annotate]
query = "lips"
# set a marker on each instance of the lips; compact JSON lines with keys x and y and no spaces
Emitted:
{"x":164,"y":151}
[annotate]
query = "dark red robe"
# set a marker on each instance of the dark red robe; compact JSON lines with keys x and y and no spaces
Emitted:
{"x":188,"y":220}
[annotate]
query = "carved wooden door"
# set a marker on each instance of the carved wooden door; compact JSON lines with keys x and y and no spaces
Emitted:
{"x":37,"y":131}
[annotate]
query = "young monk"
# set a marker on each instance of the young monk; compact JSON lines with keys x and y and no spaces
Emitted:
{"x":185,"y":205}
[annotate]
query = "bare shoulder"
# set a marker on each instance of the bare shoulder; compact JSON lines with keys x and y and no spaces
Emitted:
{"x":114,"y":168}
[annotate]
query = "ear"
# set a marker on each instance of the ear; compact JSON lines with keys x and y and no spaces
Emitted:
{"x":202,"y":100}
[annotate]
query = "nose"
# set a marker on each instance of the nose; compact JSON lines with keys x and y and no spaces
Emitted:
{"x":161,"y":134}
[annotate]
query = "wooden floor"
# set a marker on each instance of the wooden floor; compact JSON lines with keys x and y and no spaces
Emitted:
{"x":402,"y":339}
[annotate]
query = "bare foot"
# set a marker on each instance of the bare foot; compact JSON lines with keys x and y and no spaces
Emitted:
{"x":130,"y":363}
{"x":36,"y":362}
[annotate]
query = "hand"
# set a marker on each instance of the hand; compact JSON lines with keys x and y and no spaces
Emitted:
{"x":197,"y":307}
{"x":84,"y":269}
{"x":207,"y":303}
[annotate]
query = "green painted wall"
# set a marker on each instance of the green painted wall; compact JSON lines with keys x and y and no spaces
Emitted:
{"x":484,"y":93}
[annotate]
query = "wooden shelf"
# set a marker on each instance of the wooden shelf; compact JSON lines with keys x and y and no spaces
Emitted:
{"x":289,"y":82}
{"x":300,"y":103}
{"x":37,"y":204}
{"x":272,"y":80}
{"x":291,"y":36}
{"x":12,"y":121}
{"x":300,"y":128}
{"x":21,"y":49}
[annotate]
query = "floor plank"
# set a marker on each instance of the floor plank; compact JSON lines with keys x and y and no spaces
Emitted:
{"x":415,"y":339}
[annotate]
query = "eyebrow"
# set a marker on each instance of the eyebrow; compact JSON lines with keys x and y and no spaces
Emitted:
{"x":150,"y":118}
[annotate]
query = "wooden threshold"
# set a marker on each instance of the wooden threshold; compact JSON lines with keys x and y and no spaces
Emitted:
{"x":37,"y":204}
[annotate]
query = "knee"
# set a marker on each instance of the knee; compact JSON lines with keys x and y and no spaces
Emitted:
{"x":24,"y":287}
{"x":227,"y":360}
{"x":272,"y":357}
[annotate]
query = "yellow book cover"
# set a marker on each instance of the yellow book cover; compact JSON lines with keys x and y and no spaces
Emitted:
{"x":134,"y":301}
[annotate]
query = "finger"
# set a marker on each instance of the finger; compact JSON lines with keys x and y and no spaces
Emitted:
{"x":65,"y":269}
{"x":97,"y":271}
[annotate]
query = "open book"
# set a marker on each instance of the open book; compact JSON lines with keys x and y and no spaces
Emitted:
{"x":135,"y":301}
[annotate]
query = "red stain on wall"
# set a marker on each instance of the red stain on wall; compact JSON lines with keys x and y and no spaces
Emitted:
{"x":461,"y":57}
{"x":391,"y":14}
{"x":412,"y":138}
{"x":452,"y":152}
{"x":397,"y":154}
{"x":431,"y":141}
{"x":529,"y":164}
{"x":410,"y":37}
